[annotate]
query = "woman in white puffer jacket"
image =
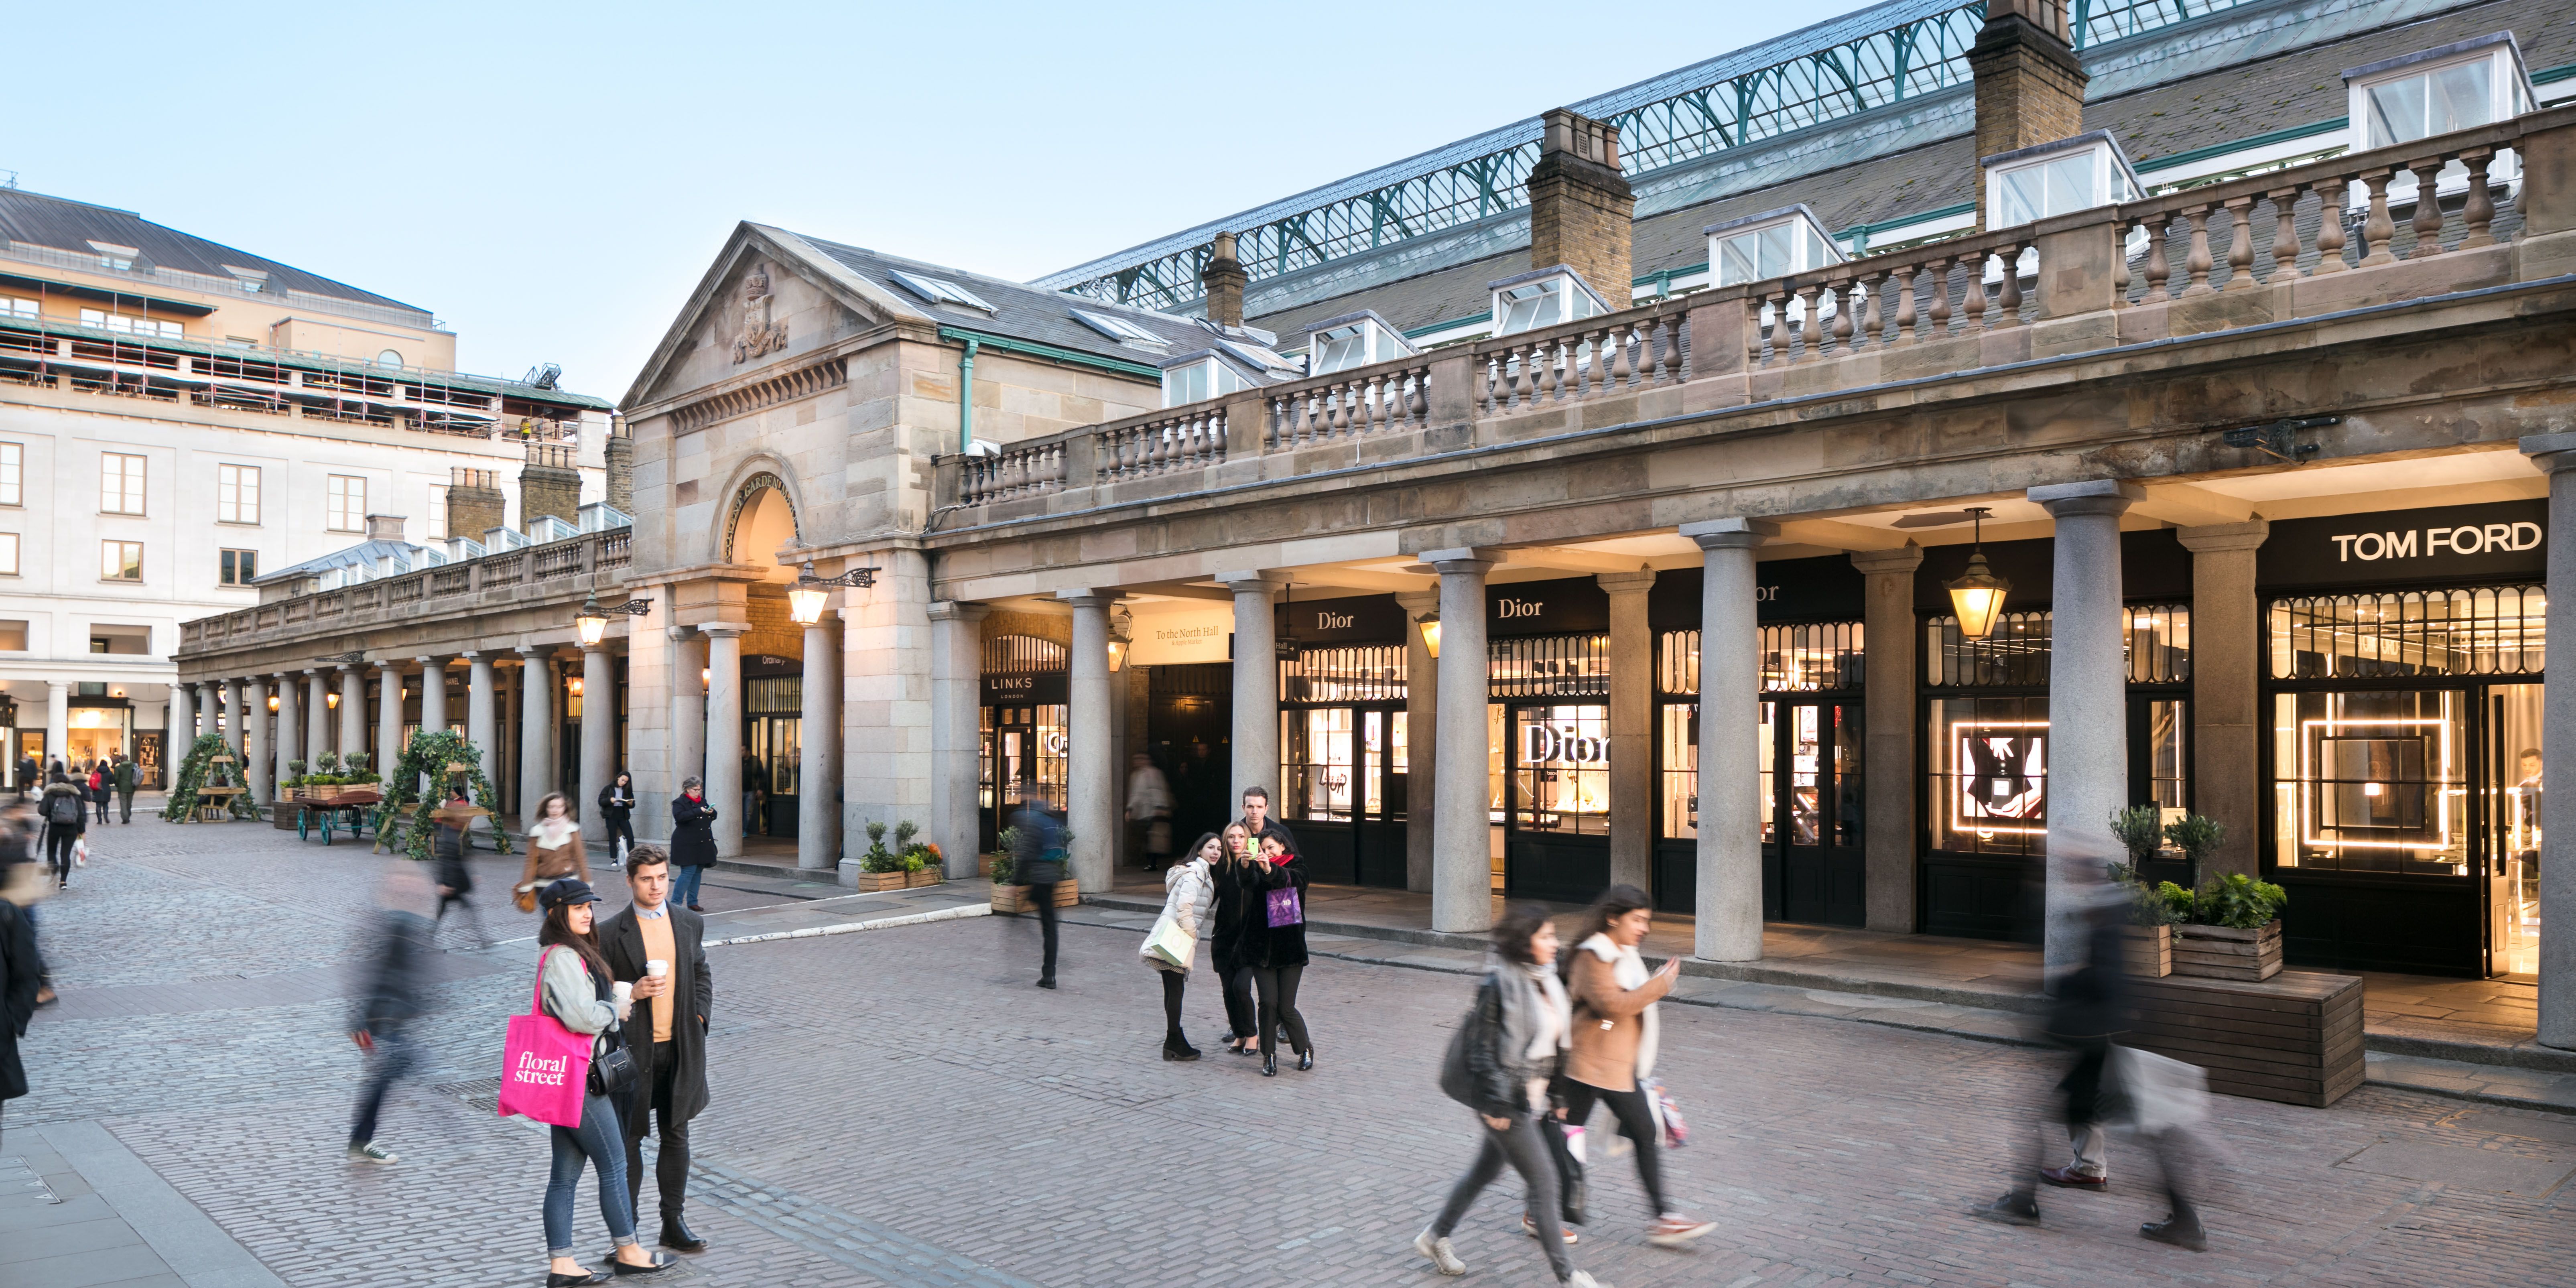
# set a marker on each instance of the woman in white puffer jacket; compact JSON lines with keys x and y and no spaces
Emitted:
{"x":1172,"y":946}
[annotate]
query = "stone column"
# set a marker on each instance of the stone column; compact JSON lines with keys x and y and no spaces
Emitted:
{"x":2556,"y":453}
{"x":1889,"y":639}
{"x":257,"y":748}
{"x":1729,"y":900}
{"x":317,"y":714}
{"x":290,"y":723}
{"x":389,"y":718}
{"x":956,"y":699}
{"x":433,"y":694}
{"x":689,"y":708}
{"x":536,"y":730}
{"x":884,"y":700}
{"x":1256,"y":688}
{"x":818,"y":842}
{"x":353,"y":712}
{"x":57,"y":726}
{"x":482,"y":724}
{"x":1091,"y":776}
{"x":2226,"y":677}
{"x":1632,"y":722}
{"x":2088,"y":703}
{"x":183,"y":731}
{"x":1422,"y":739}
{"x":1462,"y":865}
{"x":598,"y":737}
{"x":724,"y":734}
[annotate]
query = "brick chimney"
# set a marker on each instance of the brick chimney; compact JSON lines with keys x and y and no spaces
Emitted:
{"x":2030,"y":85}
{"x":1580,"y":206}
{"x":620,"y":451}
{"x":1224,"y":279}
{"x":474,"y":502}
{"x":550,"y":483}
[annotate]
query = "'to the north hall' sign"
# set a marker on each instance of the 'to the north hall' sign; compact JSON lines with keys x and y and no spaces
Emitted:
{"x":2490,"y":541}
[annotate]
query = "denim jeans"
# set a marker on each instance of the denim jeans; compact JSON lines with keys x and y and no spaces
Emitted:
{"x":684,"y":884}
{"x":1519,"y":1145}
{"x":394,"y":1057}
{"x":601,"y":1141}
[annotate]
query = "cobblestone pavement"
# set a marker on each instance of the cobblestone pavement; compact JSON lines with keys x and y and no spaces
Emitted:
{"x":901,"y":1107}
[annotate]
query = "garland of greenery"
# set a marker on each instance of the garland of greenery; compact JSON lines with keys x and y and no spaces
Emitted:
{"x":428,"y":756}
{"x":182,"y":802}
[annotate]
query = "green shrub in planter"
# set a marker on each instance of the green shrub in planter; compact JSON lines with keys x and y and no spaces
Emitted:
{"x":2196,"y":835}
{"x":2238,"y":902}
{"x":2140,"y":829}
{"x":2162,"y":904}
{"x":879,"y":858}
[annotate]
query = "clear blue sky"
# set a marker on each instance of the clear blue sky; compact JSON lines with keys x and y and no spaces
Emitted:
{"x":551,"y":179}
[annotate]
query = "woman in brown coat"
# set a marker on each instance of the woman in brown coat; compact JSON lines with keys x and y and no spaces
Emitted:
{"x":1614,"y":1041}
{"x":554,"y":850}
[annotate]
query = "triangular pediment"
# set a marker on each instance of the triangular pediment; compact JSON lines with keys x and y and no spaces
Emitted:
{"x":769,"y":302}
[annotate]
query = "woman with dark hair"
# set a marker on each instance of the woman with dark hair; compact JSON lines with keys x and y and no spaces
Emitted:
{"x":1506,"y":1051}
{"x":1189,"y":904}
{"x":617,"y":810}
{"x":1615,"y":1037}
{"x":1274,"y":951}
{"x":693,"y":842}
{"x":1237,"y":895}
{"x":65,"y":811}
{"x":576,"y":988}
{"x":554,"y":850}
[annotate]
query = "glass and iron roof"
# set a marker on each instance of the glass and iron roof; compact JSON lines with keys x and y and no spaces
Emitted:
{"x":1873,"y":58}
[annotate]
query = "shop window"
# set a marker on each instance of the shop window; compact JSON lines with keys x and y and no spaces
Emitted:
{"x":2487,"y":630}
{"x":1987,"y":773}
{"x":1550,"y":666}
{"x":2372,"y":781}
{"x":1561,"y":769}
{"x":1316,"y":752}
{"x":2015,"y":652}
{"x":1351,"y":673}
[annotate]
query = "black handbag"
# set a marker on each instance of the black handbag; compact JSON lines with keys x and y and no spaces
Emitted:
{"x":613,"y":1072}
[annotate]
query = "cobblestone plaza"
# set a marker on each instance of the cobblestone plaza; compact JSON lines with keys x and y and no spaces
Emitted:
{"x":900,"y":1107}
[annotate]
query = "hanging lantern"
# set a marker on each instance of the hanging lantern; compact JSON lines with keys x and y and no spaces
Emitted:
{"x":1977,"y":596}
{"x":1431,"y":636}
{"x":591,"y":621}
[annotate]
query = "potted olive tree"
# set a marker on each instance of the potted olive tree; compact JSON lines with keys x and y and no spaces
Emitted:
{"x":2234,"y":931}
{"x":882,"y":868}
{"x":2146,"y":943}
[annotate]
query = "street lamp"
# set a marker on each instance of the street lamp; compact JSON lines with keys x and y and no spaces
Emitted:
{"x":272,"y":702}
{"x":1431,"y":636}
{"x":1978,"y":594}
{"x":805,"y":598}
{"x":332,"y":698}
{"x":1117,"y":655}
{"x":592,"y":620}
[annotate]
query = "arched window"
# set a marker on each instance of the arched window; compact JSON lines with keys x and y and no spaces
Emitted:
{"x":389,"y":358}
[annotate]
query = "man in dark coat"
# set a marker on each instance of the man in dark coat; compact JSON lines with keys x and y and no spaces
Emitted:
{"x":22,"y":970}
{"x":390,"y":1001}
{"x":668,"y":1030}
{"x":125,"y":783}
{"x":693,"y":841}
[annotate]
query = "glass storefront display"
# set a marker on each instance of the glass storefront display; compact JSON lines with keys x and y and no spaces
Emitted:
{"x":1022,"y":738}
{"x":773,"y":720}
{"x":2405,"y":759}
{"x":1343,"y":775}
{"x":1550,"y":724}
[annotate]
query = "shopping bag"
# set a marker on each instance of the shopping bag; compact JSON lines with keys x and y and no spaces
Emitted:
{"x":1667,"y":1114}
{"x":1569,"y":1166}
{"x":2161,"y":1093}
{"x":1172,"y":943}
{"x":80,"y":853}
{"x":545,"y":1067}
{"x":1284,"y":908}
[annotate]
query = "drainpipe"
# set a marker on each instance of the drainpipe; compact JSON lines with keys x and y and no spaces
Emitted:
{"x":966,"y":398}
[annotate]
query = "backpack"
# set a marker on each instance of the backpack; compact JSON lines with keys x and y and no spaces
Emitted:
{"x":65,"y":811}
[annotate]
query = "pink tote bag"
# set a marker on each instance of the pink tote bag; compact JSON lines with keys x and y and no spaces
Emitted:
{"x":545,"y":1067}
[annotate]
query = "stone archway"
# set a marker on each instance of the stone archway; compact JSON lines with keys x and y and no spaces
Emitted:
{"x":761,"y":517}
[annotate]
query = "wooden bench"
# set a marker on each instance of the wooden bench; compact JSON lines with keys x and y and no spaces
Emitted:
{"x":2294,"y":1038}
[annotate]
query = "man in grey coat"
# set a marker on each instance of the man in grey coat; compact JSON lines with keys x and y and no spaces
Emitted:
{"x":667,"y":1033}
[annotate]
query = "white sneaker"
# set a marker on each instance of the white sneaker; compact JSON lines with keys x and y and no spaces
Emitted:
{"x":369,"y":1152}
{"x":1530,"y":1228}
{"x":1584,"y":1279}
{"x":1439,"y":1251}
{"x":1672,"y":1231}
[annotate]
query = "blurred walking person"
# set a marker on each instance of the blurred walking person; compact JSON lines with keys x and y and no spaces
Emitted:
{"x":1149,"y":811}
{"x":30,"y":776}
{"x":1508,"y":1048}
{"x":1274,"y":953}
{"x":447,"y":853}
{"x":22,"y":980}
{"x":693,"y":842}
{"x":660,"y":949}
{"x":1037,"y":864}
{"x":555,"y":850}
{"x":617,"y":810}
{"x":102,"y":785}
{"x":576,"y":988}
{"x":1172,"y":946}
{"x":389,"y":1001}
{"x":65,"y":810}
{"x":1616,"y":1035}
{"x":125,"y":784}
{"x":1235,"y":880}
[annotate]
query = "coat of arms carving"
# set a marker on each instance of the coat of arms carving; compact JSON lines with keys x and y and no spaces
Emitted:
{"x":759,"y":335}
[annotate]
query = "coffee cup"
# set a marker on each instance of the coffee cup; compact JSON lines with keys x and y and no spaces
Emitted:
{"x":623,"y":991}
{"x":657,"y":968}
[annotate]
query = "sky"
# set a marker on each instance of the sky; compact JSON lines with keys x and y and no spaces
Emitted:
{"x":551,"y":180}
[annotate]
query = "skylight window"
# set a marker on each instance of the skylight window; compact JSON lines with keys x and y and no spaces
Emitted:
{"x":940,"y":291}
{"x":2058,"y":178}
{"x":1353,"y":340}
{"x":1772,"y":244}
{"x":1119,"y":329}
{"x":2457,"y":86}
{"x":1268,"y":362}
{"x":1541,"y":299}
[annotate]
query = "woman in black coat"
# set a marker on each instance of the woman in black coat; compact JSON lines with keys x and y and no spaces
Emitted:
{"x":1237,"y":893}
{"x":1275,"y":956}
{"x":693,"y":841}
{"x":617,"y":810}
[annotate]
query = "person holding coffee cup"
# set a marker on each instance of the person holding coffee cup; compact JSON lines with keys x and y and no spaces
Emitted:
{"x":656,"y":950}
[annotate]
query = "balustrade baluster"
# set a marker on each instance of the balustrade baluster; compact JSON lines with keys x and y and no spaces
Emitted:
{"x":1905,"y":277}
{"x":2240,"y":244}
{"x":1840,"y":294}
{"x":2285,"y":234}
{"x":2159,"y":271}
{"x":2377,"y":230}
{"x":2330,"y":195}
{"x":2428,"y":209}
{"x":1638,"y":343}
{"x":2120,"y":266}
{"x":1939,"y":313}
{"x":1873,"y":328}
{"x":1516,"y":369}
{"x":2479,"y":210}
{"x":1753,"y":338}
{"x":1270,"y":425}
{"x":2198,"y":262}
{"x":1811,"y":331}
{"x":1985,"y":303}
{"x":2008,"y":293}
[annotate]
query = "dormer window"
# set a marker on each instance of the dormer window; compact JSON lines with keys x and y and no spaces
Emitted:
{"x":2058,"y":178}
{"x":1197,"y":377}
{"x":252,"y":280}
{"x":940,"y":291}
{"x":2470,"y":83}
{"x":1775,"y":243}
{"x":1121,"y":330}
{"x":1543,"y":299}
{"x":111,"y":255}
{"x":1261,"y":359}
{"x":1354,"y":340}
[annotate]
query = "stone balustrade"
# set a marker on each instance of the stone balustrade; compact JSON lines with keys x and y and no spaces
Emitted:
{"x":564,"y":570}
{"x":2303,"y":242}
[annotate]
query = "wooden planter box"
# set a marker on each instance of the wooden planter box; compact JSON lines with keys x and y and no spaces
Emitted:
{"x":2217,"y":952}
{"x":984,"y":866}
{"x":1013,"y":900}
{"x":928,"y":876}
{"x":2294,"y":1038}
{"x":870,"y":882}
{"x":2147,"y":951}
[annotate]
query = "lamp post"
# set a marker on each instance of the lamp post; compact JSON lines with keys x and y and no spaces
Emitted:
{"x":805,"y":598}
{"x":1978,"y":594}
{"x":592,"y":620}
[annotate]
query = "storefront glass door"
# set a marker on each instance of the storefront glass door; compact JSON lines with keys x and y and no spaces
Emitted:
{"x":1343,"y":790}
{"x":777,"y":743}
{"x":1811,"y":770}
{"x":1557,"y":822}
{"x":1025,"y":746}
{"x":2510,"y":786}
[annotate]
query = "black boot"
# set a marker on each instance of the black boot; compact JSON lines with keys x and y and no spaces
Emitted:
{"x":1176,"y":1047}
{"x":2182,"y":1230}
{"x":677,"y":1236}
{"x":1269,"y":1063}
